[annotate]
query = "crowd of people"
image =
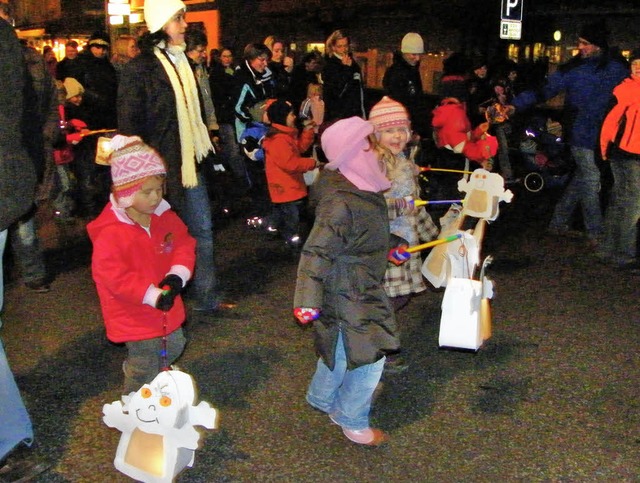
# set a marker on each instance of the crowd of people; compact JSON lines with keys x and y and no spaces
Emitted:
{"x":270,"y":128}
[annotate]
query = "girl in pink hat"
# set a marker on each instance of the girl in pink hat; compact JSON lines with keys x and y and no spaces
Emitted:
{"x":339,"y":284}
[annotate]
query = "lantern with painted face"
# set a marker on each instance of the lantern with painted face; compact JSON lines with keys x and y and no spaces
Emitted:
{"x":157,"y":423}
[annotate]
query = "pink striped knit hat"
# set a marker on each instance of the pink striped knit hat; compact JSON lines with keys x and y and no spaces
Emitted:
{"x":132,"y":161}
{"x":388,"y":113}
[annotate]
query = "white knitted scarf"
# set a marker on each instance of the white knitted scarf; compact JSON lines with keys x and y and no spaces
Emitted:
{"x":195,"y":143}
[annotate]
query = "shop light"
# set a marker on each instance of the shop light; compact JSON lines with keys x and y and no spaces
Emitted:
{"x":118,"y":8}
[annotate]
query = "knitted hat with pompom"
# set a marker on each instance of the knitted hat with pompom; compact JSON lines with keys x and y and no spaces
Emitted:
{"x":132,"y":161}
{"x":388,"y":113}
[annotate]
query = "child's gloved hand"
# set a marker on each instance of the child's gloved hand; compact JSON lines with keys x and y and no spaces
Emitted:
{"x":398,"y":255}
{"x":74,"y":138}
{"x":78,"y":125}
{"x":305,"y":314}
{"x":171,"y":282}
{"x":165,"y":300}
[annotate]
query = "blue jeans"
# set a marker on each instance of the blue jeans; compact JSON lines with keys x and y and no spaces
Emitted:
{"x":583,"y":189}
{"x":196,"y":215}
{"x":620,"y":224}
{"x":26,"y":248}
{"x":15,"y":426}
{"x":344,"y":394}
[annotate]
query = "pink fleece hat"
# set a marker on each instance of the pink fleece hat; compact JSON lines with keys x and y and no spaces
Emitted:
{"x":346,"y":146}
{"x":132,"y":161}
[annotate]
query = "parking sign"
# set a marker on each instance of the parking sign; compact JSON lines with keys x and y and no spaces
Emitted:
{"x":512,"y":10}
{"x":511,"y":19}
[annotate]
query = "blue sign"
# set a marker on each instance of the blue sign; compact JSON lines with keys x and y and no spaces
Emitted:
{"x":512,"y":10}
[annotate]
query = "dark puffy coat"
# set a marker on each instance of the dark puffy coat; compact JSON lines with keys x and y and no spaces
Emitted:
{"x":342,"y":92}
{"x":341,"y":271}
{"x":402,"y":82}
{"x":147,"y":108}
{"x":17,"y":172}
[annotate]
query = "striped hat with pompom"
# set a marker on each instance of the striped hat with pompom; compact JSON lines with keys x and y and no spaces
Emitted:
{"x":388,"y":113}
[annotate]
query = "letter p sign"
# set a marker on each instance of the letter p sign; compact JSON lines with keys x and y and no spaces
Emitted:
{"x":512,"y":10}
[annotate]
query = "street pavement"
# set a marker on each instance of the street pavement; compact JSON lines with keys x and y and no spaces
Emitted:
{"x":553,"y":396}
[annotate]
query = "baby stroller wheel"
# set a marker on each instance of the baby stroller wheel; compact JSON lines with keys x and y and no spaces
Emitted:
{"x":534,"y":182}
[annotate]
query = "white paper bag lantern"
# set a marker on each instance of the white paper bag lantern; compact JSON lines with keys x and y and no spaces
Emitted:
{"x":157,"y":423}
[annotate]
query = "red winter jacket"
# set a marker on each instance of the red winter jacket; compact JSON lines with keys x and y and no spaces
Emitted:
{"x":628,"y":110}
{"x":127,"y":260}
{"x":284,"y":166}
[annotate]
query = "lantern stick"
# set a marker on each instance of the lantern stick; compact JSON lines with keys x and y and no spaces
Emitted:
{"x":440,"y":241}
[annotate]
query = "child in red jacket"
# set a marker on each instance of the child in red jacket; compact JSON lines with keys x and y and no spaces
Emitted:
{"x":284,"y":168}
{"x":142,"y":257}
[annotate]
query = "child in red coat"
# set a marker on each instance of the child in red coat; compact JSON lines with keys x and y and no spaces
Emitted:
{"x":284,"y":167}
{"x":142,"y":257}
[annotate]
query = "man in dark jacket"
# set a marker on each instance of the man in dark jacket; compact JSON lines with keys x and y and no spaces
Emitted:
{"x":17,"y":184}
{"x":587,"y":81}
{"x":402,"y":82}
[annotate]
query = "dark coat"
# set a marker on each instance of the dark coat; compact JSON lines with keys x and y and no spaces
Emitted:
{"x":17,"y":171}
{"x":402,"y":82}
{"x":343,"y":94}
{"x":147,"y":108}
{"x":341,"y":271}
{"x":223,"y":90}
{"x":251,"y":87}
{"x":69,"y":68}
{"x":100,"y":82}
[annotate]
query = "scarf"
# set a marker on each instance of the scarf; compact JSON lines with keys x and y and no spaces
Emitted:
{"x":194,"y":137}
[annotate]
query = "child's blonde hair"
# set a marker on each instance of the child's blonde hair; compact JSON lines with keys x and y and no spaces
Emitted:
{"x":314,"y":89}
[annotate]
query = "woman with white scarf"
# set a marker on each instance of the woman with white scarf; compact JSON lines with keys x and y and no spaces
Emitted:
{"x":158,"y":101}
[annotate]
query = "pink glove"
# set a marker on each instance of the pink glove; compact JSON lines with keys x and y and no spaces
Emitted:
{"x":398,"y":255}
{"x":305,"y":314}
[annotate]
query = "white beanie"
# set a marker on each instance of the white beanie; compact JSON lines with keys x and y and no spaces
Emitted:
{"x":412,"y":43}
{"x":72,"y":87}
{"x":158,"y":12}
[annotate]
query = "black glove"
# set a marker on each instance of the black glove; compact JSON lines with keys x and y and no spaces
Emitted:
{"x":165,"y":300}
{"x":172,"y":282}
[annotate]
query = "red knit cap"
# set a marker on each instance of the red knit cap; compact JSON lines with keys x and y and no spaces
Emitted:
{"x":388,"y":113}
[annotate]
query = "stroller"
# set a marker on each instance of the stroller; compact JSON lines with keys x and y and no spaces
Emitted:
{"x":544,"y":154}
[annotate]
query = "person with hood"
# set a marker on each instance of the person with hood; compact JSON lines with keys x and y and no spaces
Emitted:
{"x":340,"y":280}
{"x":173,"y":124}
{"x":587,"y":80}
{"x":402,"y":82}
{"x":284,"y":168}
{"x":142,"y":257}
{"x":620,"y":143}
